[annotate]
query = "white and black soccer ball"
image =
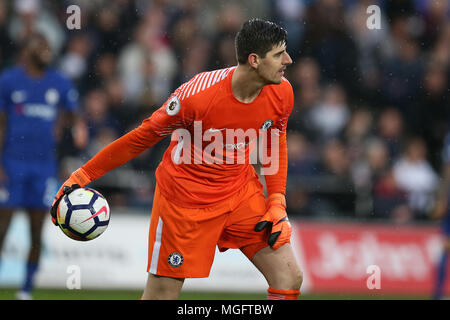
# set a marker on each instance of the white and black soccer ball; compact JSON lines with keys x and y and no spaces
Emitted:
{"x":83,"y":214}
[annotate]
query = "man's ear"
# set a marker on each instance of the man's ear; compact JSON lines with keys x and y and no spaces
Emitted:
{"x":253,"y":60}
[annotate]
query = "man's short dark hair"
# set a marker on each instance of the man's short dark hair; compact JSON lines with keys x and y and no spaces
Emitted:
{"x":258,"y":36}
{"x":29,"y":39}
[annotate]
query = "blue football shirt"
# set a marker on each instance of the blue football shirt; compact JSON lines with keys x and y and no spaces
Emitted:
{"x":32,"y":106}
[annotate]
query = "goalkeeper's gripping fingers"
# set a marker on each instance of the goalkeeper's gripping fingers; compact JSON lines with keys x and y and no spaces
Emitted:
{"x":276,"y":218}
{"x":64,"y":191}
{"x":77,"y":179}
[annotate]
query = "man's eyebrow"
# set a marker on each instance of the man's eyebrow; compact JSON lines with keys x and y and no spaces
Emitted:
{"x":279,"y":52}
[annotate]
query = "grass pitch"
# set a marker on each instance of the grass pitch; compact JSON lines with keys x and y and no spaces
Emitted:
{"x":88,"y":294}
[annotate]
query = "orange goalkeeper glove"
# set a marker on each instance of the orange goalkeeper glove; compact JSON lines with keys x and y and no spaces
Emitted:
{"x":77,"y":179}
{"x":276,"y":218}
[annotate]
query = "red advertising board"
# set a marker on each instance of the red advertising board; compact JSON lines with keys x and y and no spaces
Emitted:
{"x":367,"y":258}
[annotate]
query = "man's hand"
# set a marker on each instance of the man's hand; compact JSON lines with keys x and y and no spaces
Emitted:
{"x":77,"y":179}
{"x":276,"y":218}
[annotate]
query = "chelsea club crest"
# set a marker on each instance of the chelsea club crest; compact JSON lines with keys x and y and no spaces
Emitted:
{"x":175,"y":259}
{"x":266,"y":125}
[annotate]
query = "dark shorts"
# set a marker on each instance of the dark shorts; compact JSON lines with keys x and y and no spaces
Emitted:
{"x":30,"y":185}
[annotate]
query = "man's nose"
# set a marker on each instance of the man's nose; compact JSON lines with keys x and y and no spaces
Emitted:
{"x":287,"y":59}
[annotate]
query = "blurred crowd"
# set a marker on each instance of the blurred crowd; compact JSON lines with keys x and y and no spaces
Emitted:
{"x":372,"y":106}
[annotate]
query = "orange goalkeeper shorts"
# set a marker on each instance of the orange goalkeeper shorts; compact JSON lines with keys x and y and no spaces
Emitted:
{"x":182,"y":241}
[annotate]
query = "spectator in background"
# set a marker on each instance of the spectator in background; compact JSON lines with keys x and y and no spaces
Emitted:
{"x":302,"y":157}
{"x":74,"y":62}
{"x":386,"y":198}
{"x":413,"y":174}
{"x":132,"y":61}
{"x":373,"y":46}
{"x":148,"y":63}
{"x":357,"y":136}
{"x":104,"y":29}
{"x":433,"y":109}
{"x":101,"y":124}
{"x":222,"y":53}
{"x":302,"y":164}
{"x":336,"y":190}
{"x":327,"y":39}
{"x":402,"y":73}
{"x":30,"y":16}
{"x":291,"y":13}
{"x":435,"y":17}
{"x":358,"y":131}
{"x":377,"y":155}
{"x":440,"y":54}
{"x":389,"y":201}
{"x":103,"y":70}
{"x":330,"y":116}
{"x":195,"y":59}
{"x":390,"y":130}
{"x":120,"y":110}
{"x":183,"y":32}
{"x":305,"y":79}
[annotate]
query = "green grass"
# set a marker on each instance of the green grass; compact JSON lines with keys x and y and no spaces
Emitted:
{"x":62,"y":294}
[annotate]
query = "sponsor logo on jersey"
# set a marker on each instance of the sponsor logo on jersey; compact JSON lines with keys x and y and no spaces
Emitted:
{"x":36,"y":110}
{"x":235,"y":146}
{"x":175,"y":259}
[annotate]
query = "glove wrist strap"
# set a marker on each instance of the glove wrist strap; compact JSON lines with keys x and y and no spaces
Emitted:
{"x":277,"y":199}
{"x":80,"y":177}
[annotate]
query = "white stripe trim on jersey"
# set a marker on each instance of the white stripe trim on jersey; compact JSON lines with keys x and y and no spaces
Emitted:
{"x":206,"y":81}
{"x":216,"y":75}
{"x":219,"y":78}
{"x":203,"y":81}
{"x":194,"y":91}
{"x":213,"y":75}
{"x":156,"y":247}
{"x":189,"y":87}
{"x":227,"y":71}
{"x":200,"y":82}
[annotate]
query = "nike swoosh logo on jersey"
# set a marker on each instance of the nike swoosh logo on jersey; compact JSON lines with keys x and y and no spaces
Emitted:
{"x":215,"y":130}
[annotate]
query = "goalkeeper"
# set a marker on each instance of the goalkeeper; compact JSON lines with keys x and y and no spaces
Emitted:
{"x":200,"y":204}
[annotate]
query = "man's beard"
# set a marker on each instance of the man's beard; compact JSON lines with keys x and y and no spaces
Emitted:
{"x":39,"y":63}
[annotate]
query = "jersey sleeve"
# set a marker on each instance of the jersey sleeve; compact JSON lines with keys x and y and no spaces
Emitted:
{"x":171,"y":116}
{"x":276,"y":183}
{"x":69,"y":95}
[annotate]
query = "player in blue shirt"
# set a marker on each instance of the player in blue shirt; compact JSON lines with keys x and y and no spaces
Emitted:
{"x":32,"y":95}
{"x":442,"y":212}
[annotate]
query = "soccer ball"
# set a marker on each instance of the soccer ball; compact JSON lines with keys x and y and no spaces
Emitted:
{"x":83,"y":214}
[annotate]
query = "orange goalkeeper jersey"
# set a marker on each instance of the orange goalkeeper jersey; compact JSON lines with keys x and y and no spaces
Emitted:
{"x":208,"y":158}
